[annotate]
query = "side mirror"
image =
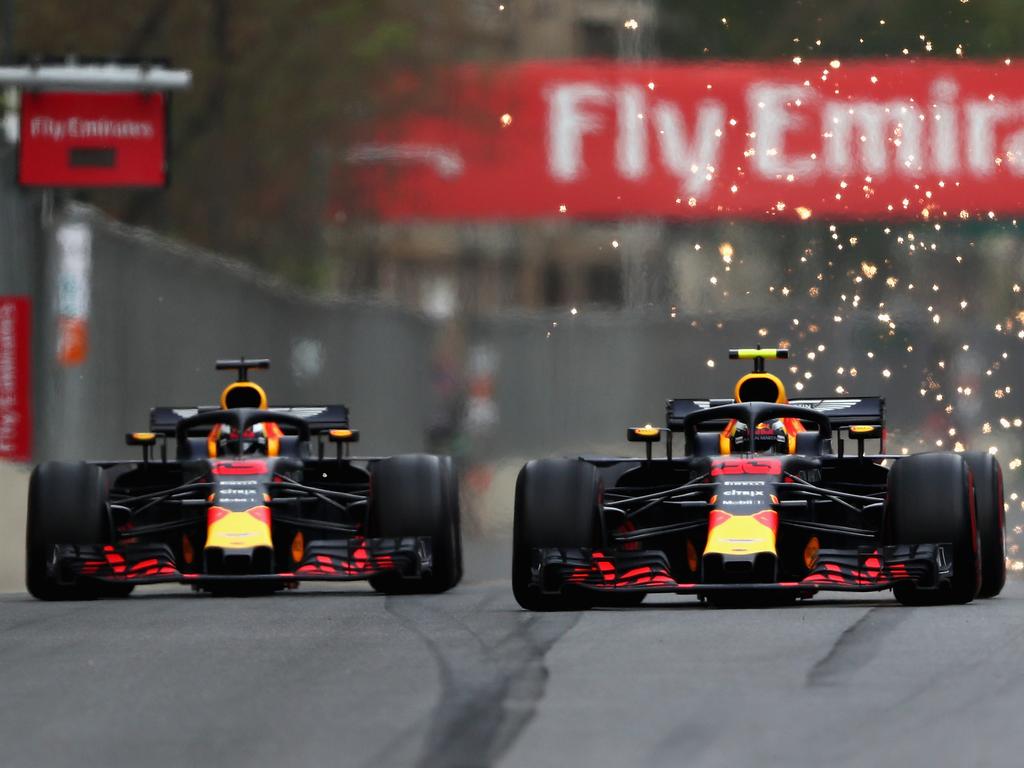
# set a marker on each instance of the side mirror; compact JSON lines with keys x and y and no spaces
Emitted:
{"x":341,"y":438}
{"x":645,"y":434}
{"x":140,"y":438}
{"x":343,"y":435}
{"x":862,"y":432}
{"x":146,"y":439}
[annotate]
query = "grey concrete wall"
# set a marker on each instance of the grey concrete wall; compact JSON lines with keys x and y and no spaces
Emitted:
{"x":161,"y":313}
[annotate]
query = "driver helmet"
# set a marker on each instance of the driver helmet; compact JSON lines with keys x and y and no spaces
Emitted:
{"x":224,"y":440}
{"x":771,"y":437}
{"x":774,"y":436}
{"x":228,"y":442}
{"x":243,"y":394}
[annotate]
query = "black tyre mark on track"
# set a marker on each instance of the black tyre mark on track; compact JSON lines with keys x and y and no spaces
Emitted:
{"x":856,"y":646}
{"x":493,"y":674}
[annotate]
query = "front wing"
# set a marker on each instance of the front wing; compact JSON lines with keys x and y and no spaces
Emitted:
{"x":323,"y":560}
{"x":865,"y":569}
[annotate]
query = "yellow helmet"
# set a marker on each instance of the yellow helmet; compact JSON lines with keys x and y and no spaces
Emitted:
{"x":243,"y":394}
{"x":760,"y":387}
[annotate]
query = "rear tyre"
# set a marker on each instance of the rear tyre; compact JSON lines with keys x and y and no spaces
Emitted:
{"x":66,"y":505}
{"x":556,"y":506}
{"x":930,"y":501}
{"x":418,"y":495}
{"x":988,"y":496}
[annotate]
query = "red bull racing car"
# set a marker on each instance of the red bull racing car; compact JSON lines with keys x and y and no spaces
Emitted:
{"x":253,"y":499}
{"x":765,"y":504}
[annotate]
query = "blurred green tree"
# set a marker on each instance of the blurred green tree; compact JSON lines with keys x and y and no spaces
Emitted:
{"x":279,"y":88}
{"x":742,"y":29}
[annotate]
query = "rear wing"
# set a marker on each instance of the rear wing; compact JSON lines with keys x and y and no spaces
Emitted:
{"x":164,"y":419}
{"x":841,"y":411}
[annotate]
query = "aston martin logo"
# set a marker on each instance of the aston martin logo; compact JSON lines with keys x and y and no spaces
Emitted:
{"x":824,"y":406}
{"x":302,"y":413}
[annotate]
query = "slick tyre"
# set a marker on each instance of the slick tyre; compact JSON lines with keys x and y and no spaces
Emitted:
{"x":930,"y":501}
{"x":418,"y":495}
{"x":448,"y":469}
{"x":556,"y":506}
{"x":988,"y":504}
{"x":66,"y":505}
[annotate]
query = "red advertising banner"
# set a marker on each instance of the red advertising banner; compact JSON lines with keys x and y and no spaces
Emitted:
{"x":602,"y":140}
{"x":93,"y":140}
{"x":15,"y":359}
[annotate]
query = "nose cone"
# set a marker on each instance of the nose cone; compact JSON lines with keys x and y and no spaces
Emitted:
{"x":227,"y":529}
{"x":741,"y":534}
{"x":741,"y":547}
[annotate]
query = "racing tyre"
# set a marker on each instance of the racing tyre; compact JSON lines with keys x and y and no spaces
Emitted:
{"x":106,"y":589}
{"x":418,"y":495}
{"x":988,"y":504}
{"x":929,"y":501}
{"x":449,"y":470}
{"x":556,"y":506}
{"x":66,"y":505}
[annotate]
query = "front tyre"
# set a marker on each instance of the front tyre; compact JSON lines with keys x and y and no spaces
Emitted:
{"x":418,"y":495}
{"x":66,"y":505}
{"x":988,"y":495}
{"x":930,"y":501}
{"x":556,"y":506}
{"x":448,"y":469}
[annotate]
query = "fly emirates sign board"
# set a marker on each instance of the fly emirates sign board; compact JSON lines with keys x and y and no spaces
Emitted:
{"x":851,"y":139}
{"x":93,"y":140}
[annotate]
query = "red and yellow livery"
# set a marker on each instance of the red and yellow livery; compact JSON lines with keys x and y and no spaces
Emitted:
{"x":253,"y":498}
{"x":764,"y":501}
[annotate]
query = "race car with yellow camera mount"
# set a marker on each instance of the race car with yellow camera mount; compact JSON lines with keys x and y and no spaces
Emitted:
{"x":254,"y":499}
{"x":765,"y":505}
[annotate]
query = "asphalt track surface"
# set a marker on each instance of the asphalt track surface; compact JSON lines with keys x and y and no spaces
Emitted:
{"x":349,"y":678}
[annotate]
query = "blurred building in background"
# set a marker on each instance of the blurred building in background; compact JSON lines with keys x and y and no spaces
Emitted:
{"x":553,"y":29}
{"x":447,"y":267}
